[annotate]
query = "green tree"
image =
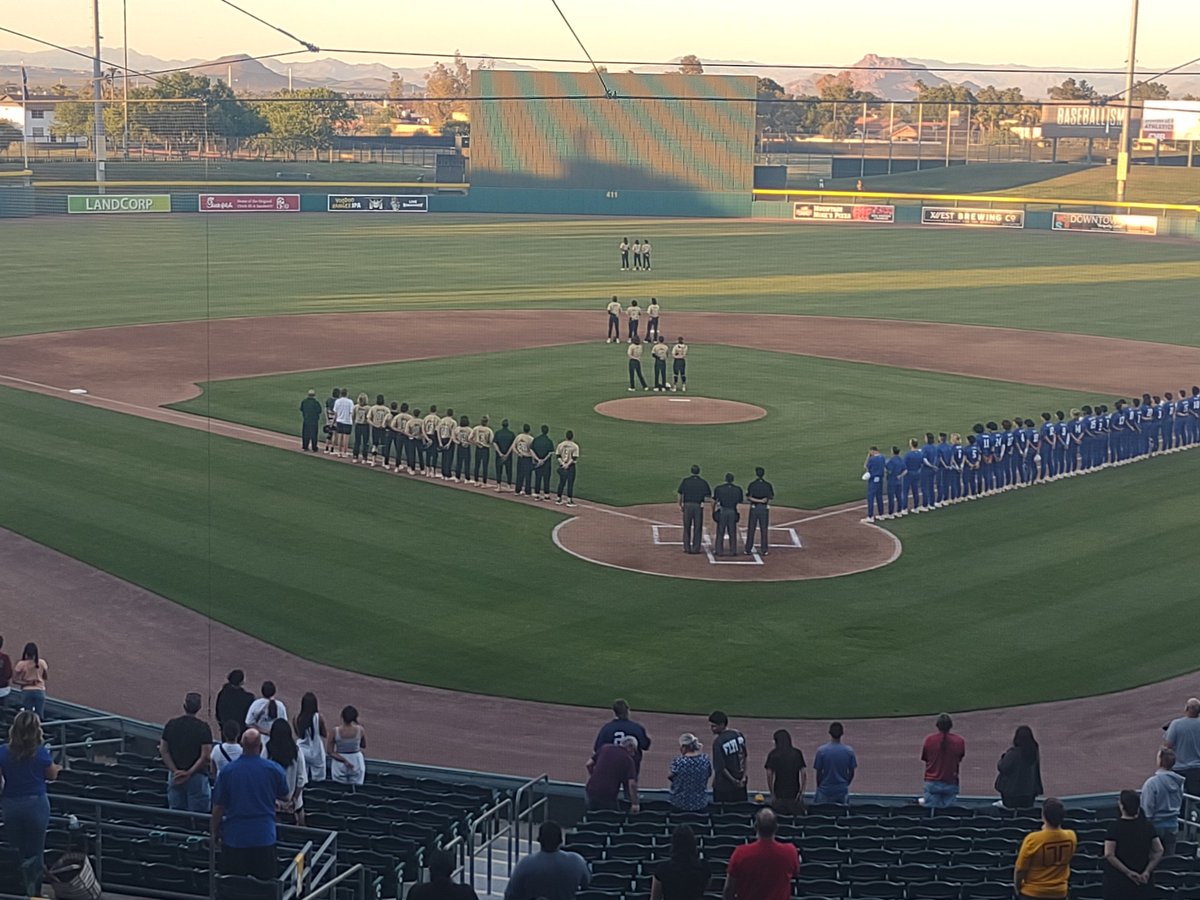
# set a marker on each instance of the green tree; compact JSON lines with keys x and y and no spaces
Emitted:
{"x":1151,"y":90}
{"x":1071,"y":89}
{"x":843,"y":104}
{"x":9,"y":134}
{"x":72,"y":118}
{"x":214,"y":112}
{"x":999,"y":107}
{"x":691,"y":65}
{"x":939,"y":98}
{"x":305,"y":120}
{"x":445,"y":88}
{"x":396,"y":87}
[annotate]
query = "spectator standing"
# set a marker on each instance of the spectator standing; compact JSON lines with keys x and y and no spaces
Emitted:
{"x":311,"y":736}
{"x":684,"y":876}
{"x":29,"y":675}
{"x":25,"y":767}
{"x":1043,"y":868}
{"x":729,"y":760}
{"x":834,"y":766}
{"x":614,"y":768}
{"x":1019,"y":778}
{"x":264,"y":711}
{"x":233,"y":700}
{"x":441,"y":884}
{"x":764,"y":869}
{"x":243,"y":813}
{"x":345,"y":749}
{"x":282,"y":751}
{"x":619,"y":726}
{"x":1183,"y":736}
{"x":310,"y":415}
{"x":6,"y":673}
{"x":550,"y":874}
{"x":229,"y":749}
{"x":942,"y":753}
{"x":1162,"y":799}
{"x":1132,"y":849}
{"x":186,"y":750}
{"x":787,"y":775}
{"x":689,"y":775}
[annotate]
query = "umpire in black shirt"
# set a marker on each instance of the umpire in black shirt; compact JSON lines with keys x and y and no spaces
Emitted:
{"x":760,"y":494}
{"x":726,"y":498}
{"x":693,"y":491}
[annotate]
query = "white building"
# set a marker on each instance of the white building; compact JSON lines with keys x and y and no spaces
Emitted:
{"x":35,"y":118}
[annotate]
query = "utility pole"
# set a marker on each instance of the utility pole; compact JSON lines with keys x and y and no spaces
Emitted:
{"x":125,"y":76}
{"x":97,"y":104}
{"x":1127,"y":116}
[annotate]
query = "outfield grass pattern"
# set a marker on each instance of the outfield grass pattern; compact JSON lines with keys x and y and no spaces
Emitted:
{"x":409,"y":580}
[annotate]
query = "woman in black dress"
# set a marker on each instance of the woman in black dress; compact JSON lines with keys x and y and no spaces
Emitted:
{"x":1131,"y":851}
{"x":685,"y":875}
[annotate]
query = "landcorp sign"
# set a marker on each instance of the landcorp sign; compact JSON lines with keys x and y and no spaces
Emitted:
{"x":119,"y":203}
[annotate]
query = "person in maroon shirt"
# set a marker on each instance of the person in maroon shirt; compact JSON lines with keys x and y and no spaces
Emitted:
{"x":764,"y":869}
{"x":942,"y":754}
{"x":614,"y":767}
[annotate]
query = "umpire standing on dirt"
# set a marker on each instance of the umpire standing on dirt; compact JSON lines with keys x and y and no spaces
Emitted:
{"x":310,"y":413}
{"x":726,"y":499}
{"x":693,"y":491}
{"x":759,"y":493}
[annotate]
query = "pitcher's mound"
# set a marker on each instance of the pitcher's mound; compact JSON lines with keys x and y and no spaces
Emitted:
{"x":680,"y":409}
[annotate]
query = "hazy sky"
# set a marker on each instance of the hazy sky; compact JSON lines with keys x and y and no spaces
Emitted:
{"x":1037,"y":32}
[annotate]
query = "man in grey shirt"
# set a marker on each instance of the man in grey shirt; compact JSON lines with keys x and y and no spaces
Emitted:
{"x":1183,"y":736}
{"x":550,"y":873}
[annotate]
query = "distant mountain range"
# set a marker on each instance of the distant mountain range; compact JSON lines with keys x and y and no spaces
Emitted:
{"x":889,"y":77}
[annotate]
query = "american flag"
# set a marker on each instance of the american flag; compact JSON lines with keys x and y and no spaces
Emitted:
{"x":24,"y":85}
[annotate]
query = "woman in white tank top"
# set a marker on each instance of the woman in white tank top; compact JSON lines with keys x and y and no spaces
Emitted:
{"x":345,"y":746}
{"x":310,"y":737}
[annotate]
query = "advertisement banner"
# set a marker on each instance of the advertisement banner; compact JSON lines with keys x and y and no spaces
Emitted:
{"x":1104,"y":223}
{"x":972,"y":218}
{"x":1171,"y":120}
{"x":119,"y":203}
{"x":210,"y":203}
{"x":1086,"y":120}
{"x":843,"y":212}
{"x":380,"y":203}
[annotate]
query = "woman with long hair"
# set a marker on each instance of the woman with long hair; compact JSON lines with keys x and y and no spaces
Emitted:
{"x":362,"y":428}
{"x":345,"y":747}
{"x":786,"y":775}
{"x":1132,"y":848}
{"x":942,"y":753}
{"x":265,"y":710}
{"x":1019,"y":781}
{"x":283,"y":751}
{"x":684,"y":876}
{"x":310,"y":736}
{"x":29,"y":675}
{"x":690,"y":772}
{"x":25,"y":767}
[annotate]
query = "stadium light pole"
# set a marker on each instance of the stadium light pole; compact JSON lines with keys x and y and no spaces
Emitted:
{"x":125,"y":76}
{"x":1123,"y":155}
{"x":97,"y":105}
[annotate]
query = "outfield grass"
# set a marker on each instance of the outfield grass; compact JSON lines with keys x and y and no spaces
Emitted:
{"x":812,"y":441}
{"x":128,"y":270}
{"x":1035,"y":595}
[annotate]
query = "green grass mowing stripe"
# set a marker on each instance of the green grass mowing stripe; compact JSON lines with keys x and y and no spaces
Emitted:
{"x":1029,"y":596}
{"x":821,"y":414}
{"x":126,"y":270}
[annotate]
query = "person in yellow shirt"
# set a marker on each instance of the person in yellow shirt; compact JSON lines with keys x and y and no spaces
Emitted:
{"x":399,"y":428}
{"x":633,"y":313}
{"x":1043,"y":868}
{"x":614,"y":321}
{"x":378,"y":417}
{"x":659,"y":351}
{"x":679,"y":365}
{"x":429,"y":427}
{"x":445,"y":444}
{"x":635,"y":363}
{"x":653,"y":311}
{"x":482,"y":437}
{"x":462,"y":452}
{"x":416,"y":443}
{"x":523,"y":450}
{"x":568,"y":455}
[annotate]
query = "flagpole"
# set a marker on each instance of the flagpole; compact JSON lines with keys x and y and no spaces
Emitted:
{"x":24,"y":117}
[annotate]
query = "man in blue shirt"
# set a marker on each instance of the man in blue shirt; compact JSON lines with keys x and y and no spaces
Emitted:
{"x":243,"y":811}
{"x":957,"y":457}
{"x":913,"y":463}
{"x":1120,"y":432}
{"x":1048,"y":439}
{"x":618,"y":727}
{"x":972,"y":460}
{"x":895,"y":483}
{"x":874,"y":467}
{"x":983,"y":440}
{"x":1062,"y":443}
{"x":1076,"y":429}
{"x":1183,"y":422}
{"x":834,"y":765}
{"x":945,"y":455}
{"x":552,"y":873}
{"x":929,"y":471}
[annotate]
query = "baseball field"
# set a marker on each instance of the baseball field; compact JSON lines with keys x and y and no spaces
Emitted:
{"x":845,"y":337}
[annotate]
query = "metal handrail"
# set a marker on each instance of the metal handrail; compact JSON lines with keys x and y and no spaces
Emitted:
{"x":355,"y":870}
{"x":491,"y":818}
{"x":526,"y":815}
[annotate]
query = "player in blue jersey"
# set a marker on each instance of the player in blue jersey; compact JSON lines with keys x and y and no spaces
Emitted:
{"x":944,"y":454}
{"x":983,"y":441}
{"x":1062,"y":443}
{"x":1020,"y":451}
{"x":929,"y":469}
{"x":1145,"y":420}
{"x":1194,"y":411}
{"x":874,"y":468}
{"x":895,"y":484}
{"x":1009,"y":464}
{"x":956,"y":468}
{"x":1033,"y":452}
{"x":972,"y":461}
{"x":1049,"y":439}
{"x":913,"y":463}
{"x":1166,"y":422}
{"x":1184,"y":423}
{"x":1075,"y":430}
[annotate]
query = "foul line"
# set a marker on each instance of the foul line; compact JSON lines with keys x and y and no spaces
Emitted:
{"x":824,"y":515}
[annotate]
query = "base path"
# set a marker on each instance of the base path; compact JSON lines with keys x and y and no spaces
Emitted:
{"x":101,"y":623}
{"x":680,"y":409}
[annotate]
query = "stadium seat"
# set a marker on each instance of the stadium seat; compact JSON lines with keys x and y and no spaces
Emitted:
{"x":988,"y":890}
{"x":877,"y":890}
{"x":817,"y":871}
{"x":934,"y":890}
{"x":823,"y":887}
{"x":856,"y":872}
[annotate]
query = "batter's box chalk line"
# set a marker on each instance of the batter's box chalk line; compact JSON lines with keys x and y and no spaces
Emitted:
{"x":777,"y":538}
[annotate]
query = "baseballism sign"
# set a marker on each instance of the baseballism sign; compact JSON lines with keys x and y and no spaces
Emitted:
{"x":972,"y":218}
{"x":119,"y":203}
